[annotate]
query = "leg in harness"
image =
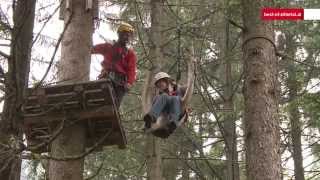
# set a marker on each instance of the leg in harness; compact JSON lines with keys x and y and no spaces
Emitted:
{"x":164,"y":116}
{"x":118,"y":81}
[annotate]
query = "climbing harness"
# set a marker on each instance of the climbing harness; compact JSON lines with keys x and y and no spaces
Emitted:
{"x":116,"y":78}
{"x":162,"y":128}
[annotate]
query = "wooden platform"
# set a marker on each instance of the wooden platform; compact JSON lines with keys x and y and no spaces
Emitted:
{"x":93,"y":103}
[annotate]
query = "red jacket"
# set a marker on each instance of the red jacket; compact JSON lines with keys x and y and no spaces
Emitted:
{"x":126,"y":65}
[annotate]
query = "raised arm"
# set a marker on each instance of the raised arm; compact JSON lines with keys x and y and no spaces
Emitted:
{"x":191,"y":77}
{"x":97,"y":49}
{"x":101,"y":48}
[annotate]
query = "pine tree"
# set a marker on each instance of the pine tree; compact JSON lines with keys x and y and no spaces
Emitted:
{"x":262,"y":136}
{"x":74,"y":67}
{"x":15,"y":86}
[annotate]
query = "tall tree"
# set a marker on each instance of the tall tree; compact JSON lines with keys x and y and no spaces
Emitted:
{"x":15,"y":86}
{"x":153,"y":144}
{"x":229,"y":125}
{"x":262,"y":136}
{"x":74,"y":67}
{"x":170,"y":17}
{"x":185,"y":174}
{"x":229,"y":119}
{"x":294,"y":115}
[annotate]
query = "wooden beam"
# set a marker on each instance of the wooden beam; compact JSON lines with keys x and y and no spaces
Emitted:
{"x":106,"y":112}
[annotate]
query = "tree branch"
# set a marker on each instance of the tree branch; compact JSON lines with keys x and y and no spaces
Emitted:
{"x":82,"y":155}
{"x":235,"y":24}
{"x":54,"y":53}
{"x":191,"y":77}
{"x":97,"y":172}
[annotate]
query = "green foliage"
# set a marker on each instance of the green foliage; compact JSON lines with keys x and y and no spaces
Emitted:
{"x":205,"y":24}
{"x":311,"y":106}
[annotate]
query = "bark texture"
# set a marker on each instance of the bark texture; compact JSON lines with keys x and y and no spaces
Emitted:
{"x":294,"y":115}
{"x":185,"y":174}
{"x":229,"y":120}
{"x":16,"y":84}
{"x":74,"y":67}
{"x":262,"y":138}
{"x":229,"y":128}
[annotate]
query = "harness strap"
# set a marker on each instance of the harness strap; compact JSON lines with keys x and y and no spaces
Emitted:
{"x":111,"y":73}
{"x":116,"y":56}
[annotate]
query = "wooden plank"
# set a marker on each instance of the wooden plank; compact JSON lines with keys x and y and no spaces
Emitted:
{"x":66,"y":105}
{"x":88,"y":98}
{"x":101,"y":112}
{"x":115,"y":138}
{"x":94,"y":94}
{"x":108,"y":94}
{"x":101,"y":115}
{"x":69,"y":87}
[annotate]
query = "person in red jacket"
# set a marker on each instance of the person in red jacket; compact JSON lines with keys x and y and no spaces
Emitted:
{"x":119,"y":63}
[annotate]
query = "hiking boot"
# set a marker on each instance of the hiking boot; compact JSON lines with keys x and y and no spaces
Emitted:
{"x":171,"y":127}
{"x":148,"y":119}
{"x":161,"y":133}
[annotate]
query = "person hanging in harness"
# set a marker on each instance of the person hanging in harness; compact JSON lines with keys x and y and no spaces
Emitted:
{"x":167,"y":101}
{"x":119,"y":63}
{"x":169,"y":108}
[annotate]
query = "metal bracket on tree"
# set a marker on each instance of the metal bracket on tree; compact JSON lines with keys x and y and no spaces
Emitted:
{"x":89,"y":5}
{"x":64,"y":5}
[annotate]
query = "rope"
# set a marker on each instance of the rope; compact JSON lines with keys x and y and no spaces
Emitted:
{"x":179,"y":54}
{"x":177,"y":63}
{"x":260,"y":37}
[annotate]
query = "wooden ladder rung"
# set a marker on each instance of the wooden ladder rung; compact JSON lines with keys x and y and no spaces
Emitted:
{"x":40,"y":130}
{"x":42,"y":137}
{"x":96,"y":100}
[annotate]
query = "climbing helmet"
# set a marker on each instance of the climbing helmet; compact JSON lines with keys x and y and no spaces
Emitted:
{"x":125,"y":27}
{"x":161,"y":75}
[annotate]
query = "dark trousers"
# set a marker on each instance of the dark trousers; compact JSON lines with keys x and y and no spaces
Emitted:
{"x":120,"y":92}
{"x":167,"y":104}
{"x":118,"y":81}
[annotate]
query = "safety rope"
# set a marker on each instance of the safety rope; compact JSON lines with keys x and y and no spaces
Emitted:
{"x":260,"y":37}
{"x":179,"y":54}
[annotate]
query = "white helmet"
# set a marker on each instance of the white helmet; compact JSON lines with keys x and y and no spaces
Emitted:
{"x":161,"y":75}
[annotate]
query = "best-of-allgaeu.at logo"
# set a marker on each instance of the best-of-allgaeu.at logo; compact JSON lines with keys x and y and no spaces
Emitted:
{"x":290,"y":14}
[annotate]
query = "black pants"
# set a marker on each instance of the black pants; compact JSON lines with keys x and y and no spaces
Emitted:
{"x":120,"y":92}
{"x":118,"y":80}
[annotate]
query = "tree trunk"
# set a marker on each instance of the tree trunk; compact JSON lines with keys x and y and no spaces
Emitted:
{"x":294,"y":116}
{"x":229,"y":121}
{"x":170,"y":166}
{"x":229,"y":128}
{"x":16,"y":84}
{"x":262,"y":136}
{"x":74,"y":67}
{"x":153,"y":145}
{"x":295,"y":127}
{"x":153,"y":158}
{"x":185,"y":169}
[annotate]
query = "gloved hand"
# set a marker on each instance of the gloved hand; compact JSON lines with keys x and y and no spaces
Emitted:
{"x":128,"y":86}
{"x":103,"y":74}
